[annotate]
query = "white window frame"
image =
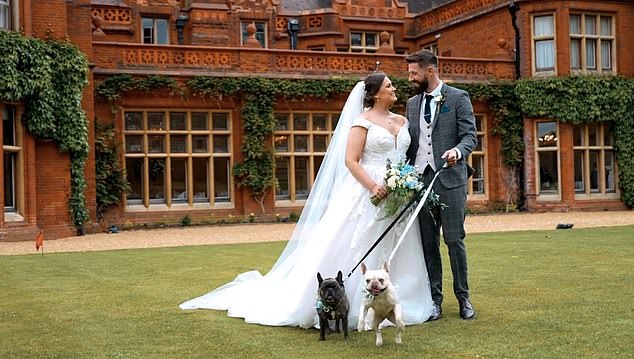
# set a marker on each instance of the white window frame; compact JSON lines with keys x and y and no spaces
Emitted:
{"x":583,"y":38}
{"x":364,"y":48}
{"x":535,"y":39}
{"x":480,"y":151}
{"x":156,"y":21}
{"x":599,"y":147}
{"x":14,"y":213}
{"x":547,"y":195}
{"x":261,"y":32}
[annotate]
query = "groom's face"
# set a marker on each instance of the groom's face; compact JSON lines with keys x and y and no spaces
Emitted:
{"x":419,"y":76}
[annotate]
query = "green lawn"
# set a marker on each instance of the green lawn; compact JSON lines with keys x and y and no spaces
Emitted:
{"x":541,"y":294}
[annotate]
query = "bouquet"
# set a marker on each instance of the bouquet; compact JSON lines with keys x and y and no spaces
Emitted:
{"x":402,"y":183}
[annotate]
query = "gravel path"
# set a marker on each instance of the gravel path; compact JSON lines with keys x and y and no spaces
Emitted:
{"x":205,"y":235}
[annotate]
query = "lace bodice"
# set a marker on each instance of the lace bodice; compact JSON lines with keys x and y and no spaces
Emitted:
{"x":380,"y":145}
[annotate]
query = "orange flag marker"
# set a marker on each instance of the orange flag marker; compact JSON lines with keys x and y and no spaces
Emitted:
{"x":39,"y":241}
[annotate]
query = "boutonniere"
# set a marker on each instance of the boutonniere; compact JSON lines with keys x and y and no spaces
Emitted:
{"x":440,"y":98}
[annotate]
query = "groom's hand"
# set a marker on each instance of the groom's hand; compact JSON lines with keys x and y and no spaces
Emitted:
{"x":450,"y":156}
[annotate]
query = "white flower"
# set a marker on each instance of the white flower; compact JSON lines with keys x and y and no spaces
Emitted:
{"x":438,"y":98}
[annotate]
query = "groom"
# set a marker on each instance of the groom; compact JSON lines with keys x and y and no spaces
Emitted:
{"x":442,"y":127}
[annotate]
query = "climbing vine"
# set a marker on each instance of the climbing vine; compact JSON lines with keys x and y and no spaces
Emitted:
{"x":586,"y":99}
{"x":49,"y":76}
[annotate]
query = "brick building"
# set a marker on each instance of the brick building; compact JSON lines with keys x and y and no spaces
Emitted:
{"x":179,"y":149}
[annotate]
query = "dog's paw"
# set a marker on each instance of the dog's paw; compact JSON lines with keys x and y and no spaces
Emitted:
{"x":361,"y":326}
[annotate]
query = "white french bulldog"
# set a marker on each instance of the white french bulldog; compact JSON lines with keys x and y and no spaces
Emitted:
{"x":381,"y":300}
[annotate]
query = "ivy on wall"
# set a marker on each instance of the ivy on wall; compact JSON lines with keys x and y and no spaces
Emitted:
{"x":49,"y":76}
{"x":111,"y":181}
{"x":566,"y":99}
{"x":586,"y":99}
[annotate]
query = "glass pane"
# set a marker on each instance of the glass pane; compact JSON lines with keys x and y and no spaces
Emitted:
{"x":5,"y":15}
{"x":281,"y":143}
{"x":200,"y":143}
{"x":157,"y":179}
{"x":545,"y":55}
{"x":282,"y":174}
{"x":478,"y":147}
{"x":9,"y":181}
{"x":133,"y":121}
{"x":609,"y":172}
{"x":220,"y":121}
{"x":221,"y":179}
{"x":593,"y":134}
{"x":320,"y":143}
{"x":162,"y":31}
{"x":302,"y":177}
{"x":156,"y":121}
{"x":178,"y":121}
{"x":134,"y":144}
{"x":221,"y":143}
{"x":606,"y":55}
{"x":544,"y":26}
{"x":546,"y":134}
{"x":575,"y":53}
{"x":370,"y":40}
{"x":591,"y":27}
{"x":577,"y":136}
{"x":317,"y":160}
{"x":575,"y":24}
{"x":179,"y":180}
{"x":8,"y":126}
{"x":134,"y":175}
{"x":579,"y":169}
{"x":148,"y":30}
{"x":199,"y":121}
{"x":478,"y":121}
{"x":591,"y":53}
{"x":606,"y":26}
{"x":156,"y":144}
{"x":477,"y":181}
{"x":282,"y":122}
{"x":319,"y":122}
{"x":335,"y":121}
{"x":260,"y":33}
{"x":178,"y":144}
{"x":301,"y":144}
{"x":200,"y":174}
{"x":608,"y":134}
{"x":355,"y":39}
{"x":548,"y":174}
{"x":300,"y":122}
{"x":594,"y":171}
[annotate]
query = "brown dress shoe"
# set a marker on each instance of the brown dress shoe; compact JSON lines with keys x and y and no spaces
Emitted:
{"x":466,"y":309}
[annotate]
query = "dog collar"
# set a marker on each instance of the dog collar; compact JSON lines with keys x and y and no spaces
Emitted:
{"x":371,"y":296}
{"x":322,"y":306}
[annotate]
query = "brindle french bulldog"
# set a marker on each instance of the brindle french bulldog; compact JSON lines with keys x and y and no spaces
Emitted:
{"x":332,"y":304}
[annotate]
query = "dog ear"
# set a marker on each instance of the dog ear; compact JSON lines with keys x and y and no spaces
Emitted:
{"x":340,"y":277}
{"x":385,"y":266}
{"x":319,"y":278}
{"x":363,"y":268}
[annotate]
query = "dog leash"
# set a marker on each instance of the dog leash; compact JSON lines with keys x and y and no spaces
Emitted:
{"x":397,"y":219}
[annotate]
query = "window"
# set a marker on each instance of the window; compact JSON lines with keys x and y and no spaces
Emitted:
{"x":547,"y":158}
{"x":432,"y":48}
{"x":260,"y":32}
{"x":300,"y":140}
{"x":367,"y":42}
{"x":591,"y":43}
{"x":594,"y":159}
{"x":177,"y":157}
{"x":155,"y":31}
{"x":477,"y":160}
{"x":12,"y":152}
{"x":5,"y":14}
{"x":544,"y":43}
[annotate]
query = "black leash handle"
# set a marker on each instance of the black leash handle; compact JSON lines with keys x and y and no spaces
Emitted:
{"x":385,"y":232}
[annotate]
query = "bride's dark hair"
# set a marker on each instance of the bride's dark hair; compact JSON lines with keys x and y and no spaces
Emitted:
{"x":372,"y":86}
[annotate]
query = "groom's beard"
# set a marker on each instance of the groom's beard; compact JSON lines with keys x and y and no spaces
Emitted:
{"x":421,"y":86}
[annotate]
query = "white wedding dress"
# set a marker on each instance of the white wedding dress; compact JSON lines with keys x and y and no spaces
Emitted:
{"x":333,"y":239}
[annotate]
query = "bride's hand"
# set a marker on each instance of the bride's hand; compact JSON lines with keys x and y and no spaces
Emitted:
{"x":379,"y":191}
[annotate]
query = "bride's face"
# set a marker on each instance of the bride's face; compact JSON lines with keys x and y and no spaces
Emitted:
{"x":387,"y":92}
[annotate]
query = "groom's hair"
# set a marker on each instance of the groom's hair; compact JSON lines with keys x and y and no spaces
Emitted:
{"x":423,"y":58}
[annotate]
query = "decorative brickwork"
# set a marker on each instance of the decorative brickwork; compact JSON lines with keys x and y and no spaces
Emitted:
{"x":113,"y":15}
{"x":452,"y":11}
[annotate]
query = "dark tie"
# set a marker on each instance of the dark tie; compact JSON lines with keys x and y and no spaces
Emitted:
{"x":427,"y":110}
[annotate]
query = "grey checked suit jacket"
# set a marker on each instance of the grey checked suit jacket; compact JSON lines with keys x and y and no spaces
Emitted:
{"x":453,"y":126}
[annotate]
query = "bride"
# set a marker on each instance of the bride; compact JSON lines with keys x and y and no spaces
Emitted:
{"x":338,"y":225}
